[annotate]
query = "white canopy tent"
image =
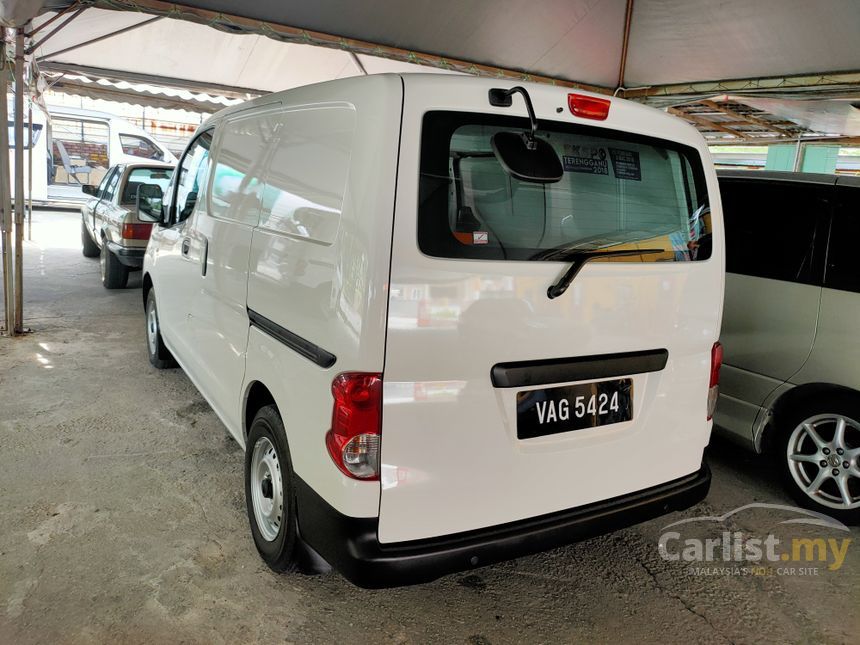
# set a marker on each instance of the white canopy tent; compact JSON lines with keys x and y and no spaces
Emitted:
{"x":193,"y":55}
{"x":666,"y":52}
{"x":609,"y":43}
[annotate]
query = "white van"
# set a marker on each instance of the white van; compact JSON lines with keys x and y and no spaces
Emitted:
{"x":76,"y":148}
{"x":443,"y":339}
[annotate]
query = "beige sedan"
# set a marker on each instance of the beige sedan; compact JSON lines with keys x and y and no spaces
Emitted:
{"x":110,"y":227}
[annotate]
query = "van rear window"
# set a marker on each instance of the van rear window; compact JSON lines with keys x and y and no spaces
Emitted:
{"x":619,"y":191}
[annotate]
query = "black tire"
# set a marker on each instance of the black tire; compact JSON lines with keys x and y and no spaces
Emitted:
{"x":159,"y":355}
{"x":279,"y":552}
{"x":114,"y":273}
{"x":88,"y":247}
{"x":789,"y":422}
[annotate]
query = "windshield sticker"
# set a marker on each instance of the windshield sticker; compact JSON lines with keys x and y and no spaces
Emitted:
{"x":586,"y":159}
{"x":480,"y":237}
{"x":625,"y":164}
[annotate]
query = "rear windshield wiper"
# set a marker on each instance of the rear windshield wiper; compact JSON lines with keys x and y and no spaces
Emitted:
{"x":578,"y":259}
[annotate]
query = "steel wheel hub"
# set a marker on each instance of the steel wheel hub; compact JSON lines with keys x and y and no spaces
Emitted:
{"x":152,"y":328}
{"x":267,"y":490}
{"x":823,"y":454}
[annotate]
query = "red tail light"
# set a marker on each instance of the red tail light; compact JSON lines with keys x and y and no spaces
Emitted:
{"x":356,"y":421}
{"x":588,"y":107}
{"x":714,"y":384}
{"x":136,"y":231}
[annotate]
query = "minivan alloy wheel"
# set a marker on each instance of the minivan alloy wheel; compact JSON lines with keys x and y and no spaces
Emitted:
{"x":267,"y":490}
{"x":823,"y":456}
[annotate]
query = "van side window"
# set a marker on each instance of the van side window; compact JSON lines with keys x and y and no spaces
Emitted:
{"x":775,"y":229}
{"x":140,"y":147}
{"x":192,"y":176}
{"x":307,"y":176}
{"x":842,"y":270}
{"x":238,"y":168}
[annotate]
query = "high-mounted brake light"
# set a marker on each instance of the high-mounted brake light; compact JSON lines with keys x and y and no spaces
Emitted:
{"x":353,"y":441}
{"x":714,"y":383}
{"x":136,"y":231}
{"x":588,"y":107}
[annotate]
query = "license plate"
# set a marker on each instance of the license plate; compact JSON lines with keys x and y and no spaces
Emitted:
{"x":573,"y":407}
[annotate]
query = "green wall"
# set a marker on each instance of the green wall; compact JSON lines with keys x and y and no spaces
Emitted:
{"x":816,"y":158}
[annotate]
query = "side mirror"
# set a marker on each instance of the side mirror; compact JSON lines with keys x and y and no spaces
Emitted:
{"x":89,"y":189}
{"x":527,"y":158}
{"x":149,"y":202}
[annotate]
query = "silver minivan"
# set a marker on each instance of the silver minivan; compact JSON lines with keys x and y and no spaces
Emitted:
{"x":790,"y":382}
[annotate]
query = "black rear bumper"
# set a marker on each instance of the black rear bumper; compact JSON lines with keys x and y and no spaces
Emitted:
{"x":350,"y":544}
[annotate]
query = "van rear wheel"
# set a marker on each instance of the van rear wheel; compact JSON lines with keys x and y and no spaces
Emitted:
{"x":270,"y":495}
{"x":818,"y":453}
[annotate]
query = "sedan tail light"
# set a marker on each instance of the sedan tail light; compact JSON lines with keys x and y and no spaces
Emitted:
{"x":136,"y":231}
{"x":356,"y":424}
{"x":714,"y":384}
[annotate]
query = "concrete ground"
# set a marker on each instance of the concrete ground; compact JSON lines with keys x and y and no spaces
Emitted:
{"x":122,"y":520}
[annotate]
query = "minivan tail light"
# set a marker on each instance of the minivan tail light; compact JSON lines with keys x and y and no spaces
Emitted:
{"x":356,"y":424}
{"x":136,"y":231}
{"x":714,"y":383}
{"x":588,"y":107}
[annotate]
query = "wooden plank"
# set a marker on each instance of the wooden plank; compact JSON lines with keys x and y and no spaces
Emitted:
{"x":707,"y":123}
{"x":821,"y":83}
{"x":745,"y":117}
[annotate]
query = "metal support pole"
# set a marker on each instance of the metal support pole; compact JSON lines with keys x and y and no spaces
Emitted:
{"x":30,"y":173}
{"x":19,"y":180}
{"x":798,"y":156}
{"x":5,"y":198}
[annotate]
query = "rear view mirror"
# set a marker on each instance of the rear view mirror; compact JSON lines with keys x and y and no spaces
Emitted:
{"x":527,"y":158}
{"x":149,"y":203}
{"x":89,"y":189}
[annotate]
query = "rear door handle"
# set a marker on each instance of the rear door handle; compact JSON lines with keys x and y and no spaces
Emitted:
{"x":186,"y":246}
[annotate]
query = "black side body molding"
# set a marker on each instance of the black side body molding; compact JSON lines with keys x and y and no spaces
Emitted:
{"x":298,"y":344}
{"x":581,"y":368}
{"x":351,"y":544}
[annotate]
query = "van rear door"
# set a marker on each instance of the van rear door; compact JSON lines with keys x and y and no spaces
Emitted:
{"x":501,"y":403}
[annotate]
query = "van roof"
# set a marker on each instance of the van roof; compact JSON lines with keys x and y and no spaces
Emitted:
{"x":676,"y":126}
{"x":148,"y":164}
{"x":796,"y":177}
{"x":81,"y":112}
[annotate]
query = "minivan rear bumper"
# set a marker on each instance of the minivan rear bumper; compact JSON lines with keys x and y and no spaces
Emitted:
{"x":351,"y":546}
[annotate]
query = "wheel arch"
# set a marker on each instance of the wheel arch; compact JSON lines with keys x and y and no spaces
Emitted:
{"x":146,"y":287}
{"x":791,"y":400}
{"x":257,"y":396}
